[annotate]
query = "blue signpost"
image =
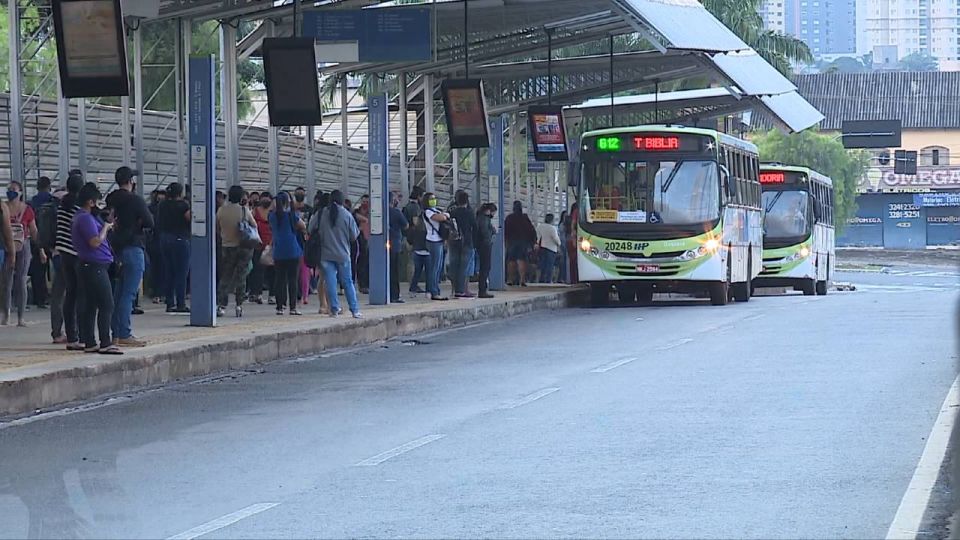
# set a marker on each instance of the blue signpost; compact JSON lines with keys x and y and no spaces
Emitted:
{"x":378,"y":154}
{"x":203,"y":260}
{"x":495,"y":172}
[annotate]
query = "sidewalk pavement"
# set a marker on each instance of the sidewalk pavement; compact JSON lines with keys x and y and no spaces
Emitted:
{"x":36,"y":375}
{"x":877,"y":258}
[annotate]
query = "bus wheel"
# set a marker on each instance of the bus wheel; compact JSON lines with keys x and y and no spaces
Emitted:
{"x":627,"y":294}
{"x":822,"y":288}
{"x":599,"y":294}
{"x":809,"y":287}
{"x":645,"y":296}
{"x":719,"y":293}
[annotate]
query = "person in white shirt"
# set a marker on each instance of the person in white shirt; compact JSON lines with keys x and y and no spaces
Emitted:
{"x":548,"y":241}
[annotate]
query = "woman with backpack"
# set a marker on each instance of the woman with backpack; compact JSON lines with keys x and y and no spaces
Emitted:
{"x":434,"y":219}
{"x":520,"y":236}
{"x":235,"y":254}
{"x":285,"y":223}
{"x":23,"y":226}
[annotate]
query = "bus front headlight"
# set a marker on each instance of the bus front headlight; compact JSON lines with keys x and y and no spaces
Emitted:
{"x":692,"y":254}
{"x":584,"y":245}
{"x":801,"y":253}
{"x":712,"y":245}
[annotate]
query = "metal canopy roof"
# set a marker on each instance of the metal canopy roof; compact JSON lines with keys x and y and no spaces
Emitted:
{"x":508,"y":47}
{"x":788,"y":111}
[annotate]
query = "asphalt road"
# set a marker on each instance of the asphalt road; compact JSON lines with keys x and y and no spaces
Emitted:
{"x":785,"y":417}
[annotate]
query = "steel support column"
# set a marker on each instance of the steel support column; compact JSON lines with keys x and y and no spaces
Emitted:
{"x":125,"y":143}
{"x":456,"y":173}
{"x":184,"y":47}
{"x":514,"y":160}
{"x":16,"y":93}
{"x":428,"y":135}
{"x":310,"y":166}
{"x":180,"y":60}
{"x":344,"y":135}
{"x":405,"y":186}
{"x":273,"y":137}
{"x":82,"y":136}
{"x":138,"y":103}
{"x":228,"y":102}
{"x":63,"y":134}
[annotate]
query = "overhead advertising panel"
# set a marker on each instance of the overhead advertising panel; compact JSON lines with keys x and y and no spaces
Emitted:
{"x":382,"y":35}
{"x":293,"y":92}
{"x":91,"y":51}
{"x":547,"y":133}
{"x":465,"y":113}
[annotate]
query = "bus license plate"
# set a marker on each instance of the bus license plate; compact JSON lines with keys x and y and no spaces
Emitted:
{"x":648,"y":268}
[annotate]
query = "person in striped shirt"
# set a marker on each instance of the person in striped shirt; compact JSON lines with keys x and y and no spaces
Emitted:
{"x":63,"y":301}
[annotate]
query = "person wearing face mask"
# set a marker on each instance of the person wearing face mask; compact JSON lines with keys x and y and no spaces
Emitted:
{"x":484,"y":242}
{"x":6,"y":242}
{"x":131,"y":217}
{"x":362,"y":269}
{"x":262,"y":274}
{"x":23,"y":226}
{"x":433,"y":217}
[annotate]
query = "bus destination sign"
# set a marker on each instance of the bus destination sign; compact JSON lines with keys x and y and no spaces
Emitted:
{"x":649,"y":142}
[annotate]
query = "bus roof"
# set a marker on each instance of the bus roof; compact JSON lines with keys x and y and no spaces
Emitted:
{"x":797,"y":168}
{"x":720,"y":137}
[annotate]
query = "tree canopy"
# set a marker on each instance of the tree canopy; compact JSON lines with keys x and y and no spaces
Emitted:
{"x":742,"y":17}
{"x":919,"y":61}
{"x":823,"y":153}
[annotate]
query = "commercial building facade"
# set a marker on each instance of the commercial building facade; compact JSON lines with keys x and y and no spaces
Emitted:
{"x":899,"y":211}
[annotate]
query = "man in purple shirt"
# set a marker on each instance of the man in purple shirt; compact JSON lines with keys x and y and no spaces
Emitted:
{"x":94,"y":256}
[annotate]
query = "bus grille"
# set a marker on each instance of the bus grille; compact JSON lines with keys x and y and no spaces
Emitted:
{"x":662,"y":255}
{"x":770,"y":270}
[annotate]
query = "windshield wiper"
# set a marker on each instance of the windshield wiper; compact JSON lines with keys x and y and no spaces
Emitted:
{"x":673,"y":174}
{"x":773,"y":202}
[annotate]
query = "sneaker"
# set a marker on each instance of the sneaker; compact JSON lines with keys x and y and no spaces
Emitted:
{"x":336,"y":313}
{"x":92,"y":349}
{"x":398,"y":301}
{"x":131,"y":341}
{"x":358,"y":315}
{"x":295,"y":312}
{"x":271,"y":300}
{"x":417,"y":290}
{"x":439,"y":298}
{"x":485,"y":295}
{"x":171,"y":309}
{"x":181,"y":310}
{"x":221,"y":312}
{"x":136,"y":311}
{"x":61,"y":340}
{"x":75,"y":346}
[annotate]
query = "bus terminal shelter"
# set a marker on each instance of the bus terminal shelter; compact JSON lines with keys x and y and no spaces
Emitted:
{"x":570,"y":53}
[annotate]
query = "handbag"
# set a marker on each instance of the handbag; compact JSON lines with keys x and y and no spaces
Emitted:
{"x":266,"y":258}
{"x":249,"y":235}
{"x":19,"y":232}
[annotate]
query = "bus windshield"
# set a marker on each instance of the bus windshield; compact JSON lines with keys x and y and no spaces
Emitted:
{"x":786,"y":214}
{"x":676,"y":192}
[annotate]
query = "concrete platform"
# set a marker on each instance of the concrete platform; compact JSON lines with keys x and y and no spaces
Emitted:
{"x":36,"y":375}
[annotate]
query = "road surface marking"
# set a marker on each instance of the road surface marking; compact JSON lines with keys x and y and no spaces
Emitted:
{"x":529,"y":398}
{"x":402,"y":449}
{"x":906,"y":523}
{"x":683,"y":341}
{"x":613,"y":365}
{"x":224,"y":521}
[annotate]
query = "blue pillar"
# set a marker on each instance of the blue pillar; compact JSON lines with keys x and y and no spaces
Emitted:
{"x":203,"y":261}
{"x":378,"y":155}
{"x":495,"y":172}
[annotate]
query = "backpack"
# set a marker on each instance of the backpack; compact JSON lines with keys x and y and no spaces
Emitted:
{"x":47,"y":225}
{"x":448,"y":230}
{"x":19,"y":232}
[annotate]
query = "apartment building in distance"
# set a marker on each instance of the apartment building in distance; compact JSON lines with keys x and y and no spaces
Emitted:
{"x":897,"y":28}
{"x":828,"y":27}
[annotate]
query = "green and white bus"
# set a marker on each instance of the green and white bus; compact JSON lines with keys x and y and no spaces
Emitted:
{"x":798,"y":233}
{"x":668,"y":209}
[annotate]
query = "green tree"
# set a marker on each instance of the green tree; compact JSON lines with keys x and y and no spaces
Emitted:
{"x":845,"y":64}
{"x":919,"y":61}
{"x":825,"y":154}
{"x":743,"y":19}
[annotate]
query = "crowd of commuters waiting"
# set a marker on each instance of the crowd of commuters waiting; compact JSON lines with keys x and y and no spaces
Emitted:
{"x":101,"y":251}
